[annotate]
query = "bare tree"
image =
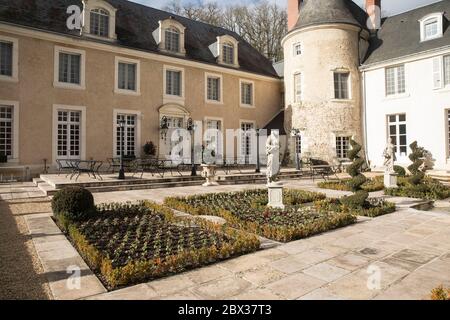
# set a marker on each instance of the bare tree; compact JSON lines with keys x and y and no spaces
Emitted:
{"x":263,"y":24}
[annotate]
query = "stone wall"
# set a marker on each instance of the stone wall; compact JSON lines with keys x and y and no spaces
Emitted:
{"x":326,"y":49}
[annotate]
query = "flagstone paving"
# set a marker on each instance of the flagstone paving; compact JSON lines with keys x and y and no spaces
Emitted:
{"x":403,"y":255}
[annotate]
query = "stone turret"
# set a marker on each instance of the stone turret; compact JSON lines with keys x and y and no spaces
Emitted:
{"x":322,"y":80}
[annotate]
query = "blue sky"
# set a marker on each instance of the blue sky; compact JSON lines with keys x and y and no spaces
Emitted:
{"x":390,"y":6}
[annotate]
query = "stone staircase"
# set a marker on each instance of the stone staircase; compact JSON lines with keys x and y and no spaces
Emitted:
{"x":442,"y":176}
{"x":49,"y":187}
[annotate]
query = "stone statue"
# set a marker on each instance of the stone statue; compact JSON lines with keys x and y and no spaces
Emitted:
{"x":273,"y":157}
{"x":389,"y":157}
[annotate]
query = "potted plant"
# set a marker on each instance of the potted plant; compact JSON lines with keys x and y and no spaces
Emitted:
{"x":150,"y":149}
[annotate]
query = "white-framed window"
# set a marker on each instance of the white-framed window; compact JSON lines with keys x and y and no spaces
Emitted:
{"x":247,"y":93}
{"x":69,"y":67}
{"x":225,"y":49}
{"x":69,"y":134}
{"x":6,"y":58}
{"x":448,"y":132}
{"x":246,"y":147}
{"x":214,"y":87}
{"x":446,"y":70}
{"x":6,"y":130}
{"x":9,"y":64}
{"x":172,"y":39}
{"x":297,"y":49}
{"x":126,"y":136}
{"x":342,"y":85}
{"x":431,"y":26}
{"x":228,"y":53}
{"x":397,"y":132}
{"x":298,"y":87}
{"x":173,"y":83}
{"x":342,"y":147}
{"x":395,"y":80}
{"x":127,"y":76}
{"x":99,"y":22}
{"x":170,"y":36}
{"x":213,"y":136}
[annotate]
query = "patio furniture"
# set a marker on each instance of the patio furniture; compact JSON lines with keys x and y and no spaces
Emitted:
{"x":91,"y":167}
{"x":148,"y":165}
{"x":128,"y":164}
{"x":323,"y":169}
{"x":65,"y":165}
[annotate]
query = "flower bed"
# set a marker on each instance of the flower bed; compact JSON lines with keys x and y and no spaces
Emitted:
{"x":375,"y":184}
{"x":430,"y":190}
{"x":248,"y":211}
{"x":130,"y":244}
{"x":372,"y":208}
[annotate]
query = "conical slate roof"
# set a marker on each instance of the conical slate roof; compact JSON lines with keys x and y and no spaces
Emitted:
{"x":316,"y":12}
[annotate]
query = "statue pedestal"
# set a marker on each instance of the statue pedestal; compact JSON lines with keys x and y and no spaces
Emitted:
{"x":390,"y":180}
{"x":275,"y":195}
{"x":209,"y":173}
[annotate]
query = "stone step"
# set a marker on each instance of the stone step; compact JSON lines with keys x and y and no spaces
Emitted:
{"x":127,"y":182}
{"x":37,"y":181}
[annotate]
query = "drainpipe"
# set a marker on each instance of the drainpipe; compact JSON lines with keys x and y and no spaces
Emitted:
{"x":364,"y":116}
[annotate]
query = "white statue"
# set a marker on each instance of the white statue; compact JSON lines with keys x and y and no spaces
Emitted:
{"x":389,"y":157}
{"x":273,"y":156}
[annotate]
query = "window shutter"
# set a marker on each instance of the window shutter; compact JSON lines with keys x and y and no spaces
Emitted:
{"x":437,"y":73}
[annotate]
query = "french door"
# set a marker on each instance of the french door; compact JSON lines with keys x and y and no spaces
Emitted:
{"x":69,"y":134}
{"x":246,"y":141}
{"x":214,"y":137}
{"x":126,"y":135}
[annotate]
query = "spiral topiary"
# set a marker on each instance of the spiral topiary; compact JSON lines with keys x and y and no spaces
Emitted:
{"x":416,"y":156}
{"x":360,"y":196}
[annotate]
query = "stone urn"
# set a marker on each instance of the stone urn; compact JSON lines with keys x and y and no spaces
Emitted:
{"x":209,"y":173}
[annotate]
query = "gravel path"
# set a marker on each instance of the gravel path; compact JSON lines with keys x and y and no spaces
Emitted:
{"x":21,"y":274}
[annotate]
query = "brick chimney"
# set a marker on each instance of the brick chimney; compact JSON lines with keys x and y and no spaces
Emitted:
{"x":373,"y":9}
{"x":293,"y":12}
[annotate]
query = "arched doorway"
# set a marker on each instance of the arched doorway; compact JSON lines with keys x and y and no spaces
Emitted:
{"x":177,"y":117}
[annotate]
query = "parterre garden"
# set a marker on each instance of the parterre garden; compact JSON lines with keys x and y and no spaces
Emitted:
{"x":129,"y":244}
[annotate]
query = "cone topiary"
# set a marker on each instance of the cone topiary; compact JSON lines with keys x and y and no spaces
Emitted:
{"x":416,"y":156}
{"x":360,"y":196}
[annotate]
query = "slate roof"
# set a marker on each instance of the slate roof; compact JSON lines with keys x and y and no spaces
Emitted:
{"x":277,"y":123}
{"x":134,"y":26}
{"x":400,"y":35}
{"x":316,"y":12}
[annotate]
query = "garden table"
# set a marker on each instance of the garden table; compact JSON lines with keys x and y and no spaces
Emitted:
{"x":91,"y":167}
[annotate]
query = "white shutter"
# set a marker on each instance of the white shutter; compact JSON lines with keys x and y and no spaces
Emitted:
{"x":437,"y":73}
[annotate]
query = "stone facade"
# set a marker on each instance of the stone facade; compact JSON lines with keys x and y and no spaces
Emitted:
{"x":325,"y":49}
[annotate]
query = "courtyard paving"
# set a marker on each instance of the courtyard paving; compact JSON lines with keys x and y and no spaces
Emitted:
{"x":403,"y":255}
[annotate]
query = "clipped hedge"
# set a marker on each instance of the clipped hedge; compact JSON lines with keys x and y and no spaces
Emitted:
{"x":429,"y":189}
{"x":73,"y":203}
{"x":371,"y":185}
{"x":372,"y":208}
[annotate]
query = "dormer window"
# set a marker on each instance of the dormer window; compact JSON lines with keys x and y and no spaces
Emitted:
{"x":99,"y":23}
{"x":228,"y":53}
{"x":172,"y":39}
{"x":225,"y":50}
{"x":100,"y":20}
{"x":170,"y":36}
{"x":431,"y":27}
